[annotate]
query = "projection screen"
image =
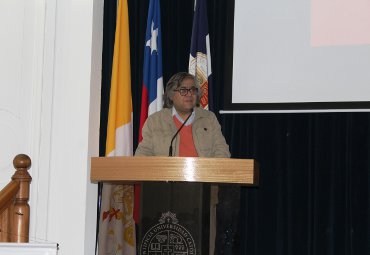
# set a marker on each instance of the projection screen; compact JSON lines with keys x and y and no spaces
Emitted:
{"x":301,"y":55}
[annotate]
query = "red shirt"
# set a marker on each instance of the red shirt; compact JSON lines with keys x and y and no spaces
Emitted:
{"x":187,"y":147}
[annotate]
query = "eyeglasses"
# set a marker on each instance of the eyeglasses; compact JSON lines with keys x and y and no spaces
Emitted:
{"x":185,"y":91}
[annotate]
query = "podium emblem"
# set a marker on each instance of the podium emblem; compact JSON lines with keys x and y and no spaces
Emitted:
{"x":168,"y":237}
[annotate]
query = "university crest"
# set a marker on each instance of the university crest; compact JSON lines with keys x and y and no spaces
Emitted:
{"x":168,"y":237}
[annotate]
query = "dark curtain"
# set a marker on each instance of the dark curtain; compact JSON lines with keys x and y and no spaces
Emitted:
{"x":313,"y":196}
{"x":314,"y":191}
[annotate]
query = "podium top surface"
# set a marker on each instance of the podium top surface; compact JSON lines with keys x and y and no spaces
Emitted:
{"x":182,"y":169}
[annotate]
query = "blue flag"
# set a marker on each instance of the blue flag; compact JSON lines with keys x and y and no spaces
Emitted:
{"x":200,"y":53}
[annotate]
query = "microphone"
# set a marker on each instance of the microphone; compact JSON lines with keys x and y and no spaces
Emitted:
{"x":178,"y":131}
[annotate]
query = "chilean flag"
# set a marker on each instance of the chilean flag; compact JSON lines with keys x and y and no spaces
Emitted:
{"x":152,"y":93}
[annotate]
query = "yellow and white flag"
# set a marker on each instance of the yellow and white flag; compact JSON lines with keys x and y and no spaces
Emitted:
{"x":117,"y":227}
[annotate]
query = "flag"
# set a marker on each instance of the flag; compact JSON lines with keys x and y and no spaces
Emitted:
{"x":200,"y":66}
{"x":200,"y":53}
{"x":152,"y":93}
{"x":117,"y":227}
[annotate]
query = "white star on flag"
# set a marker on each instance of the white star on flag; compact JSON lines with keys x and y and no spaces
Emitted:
{"x":152,"y":42}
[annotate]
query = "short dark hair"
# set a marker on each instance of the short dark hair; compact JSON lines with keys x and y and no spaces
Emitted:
{"x":174,"y":83}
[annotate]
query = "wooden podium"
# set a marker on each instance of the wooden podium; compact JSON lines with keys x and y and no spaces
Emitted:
{"x":173,"y":218}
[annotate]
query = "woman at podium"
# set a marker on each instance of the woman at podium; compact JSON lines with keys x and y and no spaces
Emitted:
{"x":182,"y":128}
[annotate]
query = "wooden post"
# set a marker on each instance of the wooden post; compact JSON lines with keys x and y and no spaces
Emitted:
{"x":21,"y":213}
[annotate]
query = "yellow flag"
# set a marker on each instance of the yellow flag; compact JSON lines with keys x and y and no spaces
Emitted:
{"x":117,"y":227}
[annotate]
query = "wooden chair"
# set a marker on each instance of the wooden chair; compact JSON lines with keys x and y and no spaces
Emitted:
{"x":14,"y":208}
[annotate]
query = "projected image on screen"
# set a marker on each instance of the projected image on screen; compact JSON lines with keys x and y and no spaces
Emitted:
{"x":301,"y":51}
{"x":345,"y":22}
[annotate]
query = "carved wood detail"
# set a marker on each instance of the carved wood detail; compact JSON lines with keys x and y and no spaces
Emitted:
{"x":14,"y":208}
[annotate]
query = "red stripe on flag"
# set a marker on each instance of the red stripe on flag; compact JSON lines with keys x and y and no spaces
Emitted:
{"x":143,"y":117}
{"x":144,"y":110}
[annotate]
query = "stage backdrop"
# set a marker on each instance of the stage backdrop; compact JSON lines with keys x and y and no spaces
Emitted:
{"x":314,"y":192}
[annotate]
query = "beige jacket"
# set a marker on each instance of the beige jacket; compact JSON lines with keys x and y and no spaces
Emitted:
{"x":159,"y":129}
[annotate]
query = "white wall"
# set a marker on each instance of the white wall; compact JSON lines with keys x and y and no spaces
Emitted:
{"x":16,"y":84}
{"x":50,"y":65}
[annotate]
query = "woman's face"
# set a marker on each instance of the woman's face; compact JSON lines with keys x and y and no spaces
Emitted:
{"x":184,"y":104}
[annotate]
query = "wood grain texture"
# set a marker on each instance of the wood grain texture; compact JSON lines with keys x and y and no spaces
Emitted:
{"x":14,"y":208}
{"x":5,"y":224}
{"x":182,"y":169}
{"x":7,"y":195}
{"x":21,"y":213}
